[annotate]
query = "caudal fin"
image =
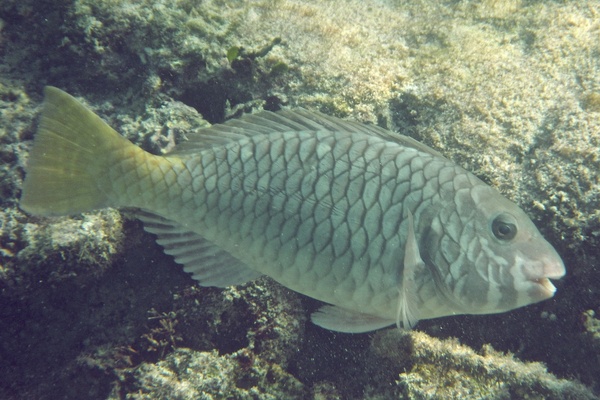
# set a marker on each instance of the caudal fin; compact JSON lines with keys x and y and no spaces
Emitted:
{"x":71,"y":150}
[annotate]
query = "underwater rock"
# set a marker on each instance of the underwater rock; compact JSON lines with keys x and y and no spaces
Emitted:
{"x":440,"y":369}
{"x":89,"y":242}
{"x":189,"y":375}
{"x":592,"y":331}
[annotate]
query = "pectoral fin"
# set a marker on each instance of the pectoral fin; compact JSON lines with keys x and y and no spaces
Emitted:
{"x":408,"y":313}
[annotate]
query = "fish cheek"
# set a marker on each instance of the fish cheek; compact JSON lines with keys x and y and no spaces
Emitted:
{"x":499,"y":291}
{"x":437,"y":271}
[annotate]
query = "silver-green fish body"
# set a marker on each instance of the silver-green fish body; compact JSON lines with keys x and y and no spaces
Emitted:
{"x":380,"y":226}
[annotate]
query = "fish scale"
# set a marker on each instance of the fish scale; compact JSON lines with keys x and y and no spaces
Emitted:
{"x":378,"y":225}
{"x":257,"y":227}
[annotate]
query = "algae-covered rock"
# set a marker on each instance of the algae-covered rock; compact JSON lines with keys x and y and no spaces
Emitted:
{"x":430,"y":368}
{"x":190,"y":375}
{"x":261,"y":316}
{"x":508,"y":89}
{"x":592,"y":331}
{"x":508,"y":96}
{"x":65,"y":249}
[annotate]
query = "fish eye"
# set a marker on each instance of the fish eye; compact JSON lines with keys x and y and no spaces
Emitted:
{"x":503,"y":229}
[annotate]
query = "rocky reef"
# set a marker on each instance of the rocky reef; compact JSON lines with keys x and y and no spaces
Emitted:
{"x":91,"y":308}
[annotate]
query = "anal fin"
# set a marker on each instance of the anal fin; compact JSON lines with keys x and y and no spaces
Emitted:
{"x":206,"y":262}
{"x":341,"y":320}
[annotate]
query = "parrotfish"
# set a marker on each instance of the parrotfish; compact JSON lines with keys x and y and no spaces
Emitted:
{"x":378,"y":225}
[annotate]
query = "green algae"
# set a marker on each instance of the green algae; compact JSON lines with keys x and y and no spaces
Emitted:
{"x":232,"y":53}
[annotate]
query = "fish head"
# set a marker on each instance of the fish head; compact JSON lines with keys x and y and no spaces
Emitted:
{"x":501,"y":260}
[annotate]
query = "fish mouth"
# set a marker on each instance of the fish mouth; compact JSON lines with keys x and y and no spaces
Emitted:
{"x":543,"y":288}
{"x":549,"y":268}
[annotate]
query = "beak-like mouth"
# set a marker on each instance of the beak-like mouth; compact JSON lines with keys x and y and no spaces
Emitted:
{"x":543,"y":287}
{"x":535,"y":272}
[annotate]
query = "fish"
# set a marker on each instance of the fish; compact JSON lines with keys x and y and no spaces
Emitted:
{"x":381,"y":228}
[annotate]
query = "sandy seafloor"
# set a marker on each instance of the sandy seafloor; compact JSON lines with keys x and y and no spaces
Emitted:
{"x":91,"y":309}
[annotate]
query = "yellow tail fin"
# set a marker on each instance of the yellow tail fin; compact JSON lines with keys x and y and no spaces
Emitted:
{"x":71,"y":150}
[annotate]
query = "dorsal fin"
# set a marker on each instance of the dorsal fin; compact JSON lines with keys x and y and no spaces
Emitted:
{"x":297,"y":120}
